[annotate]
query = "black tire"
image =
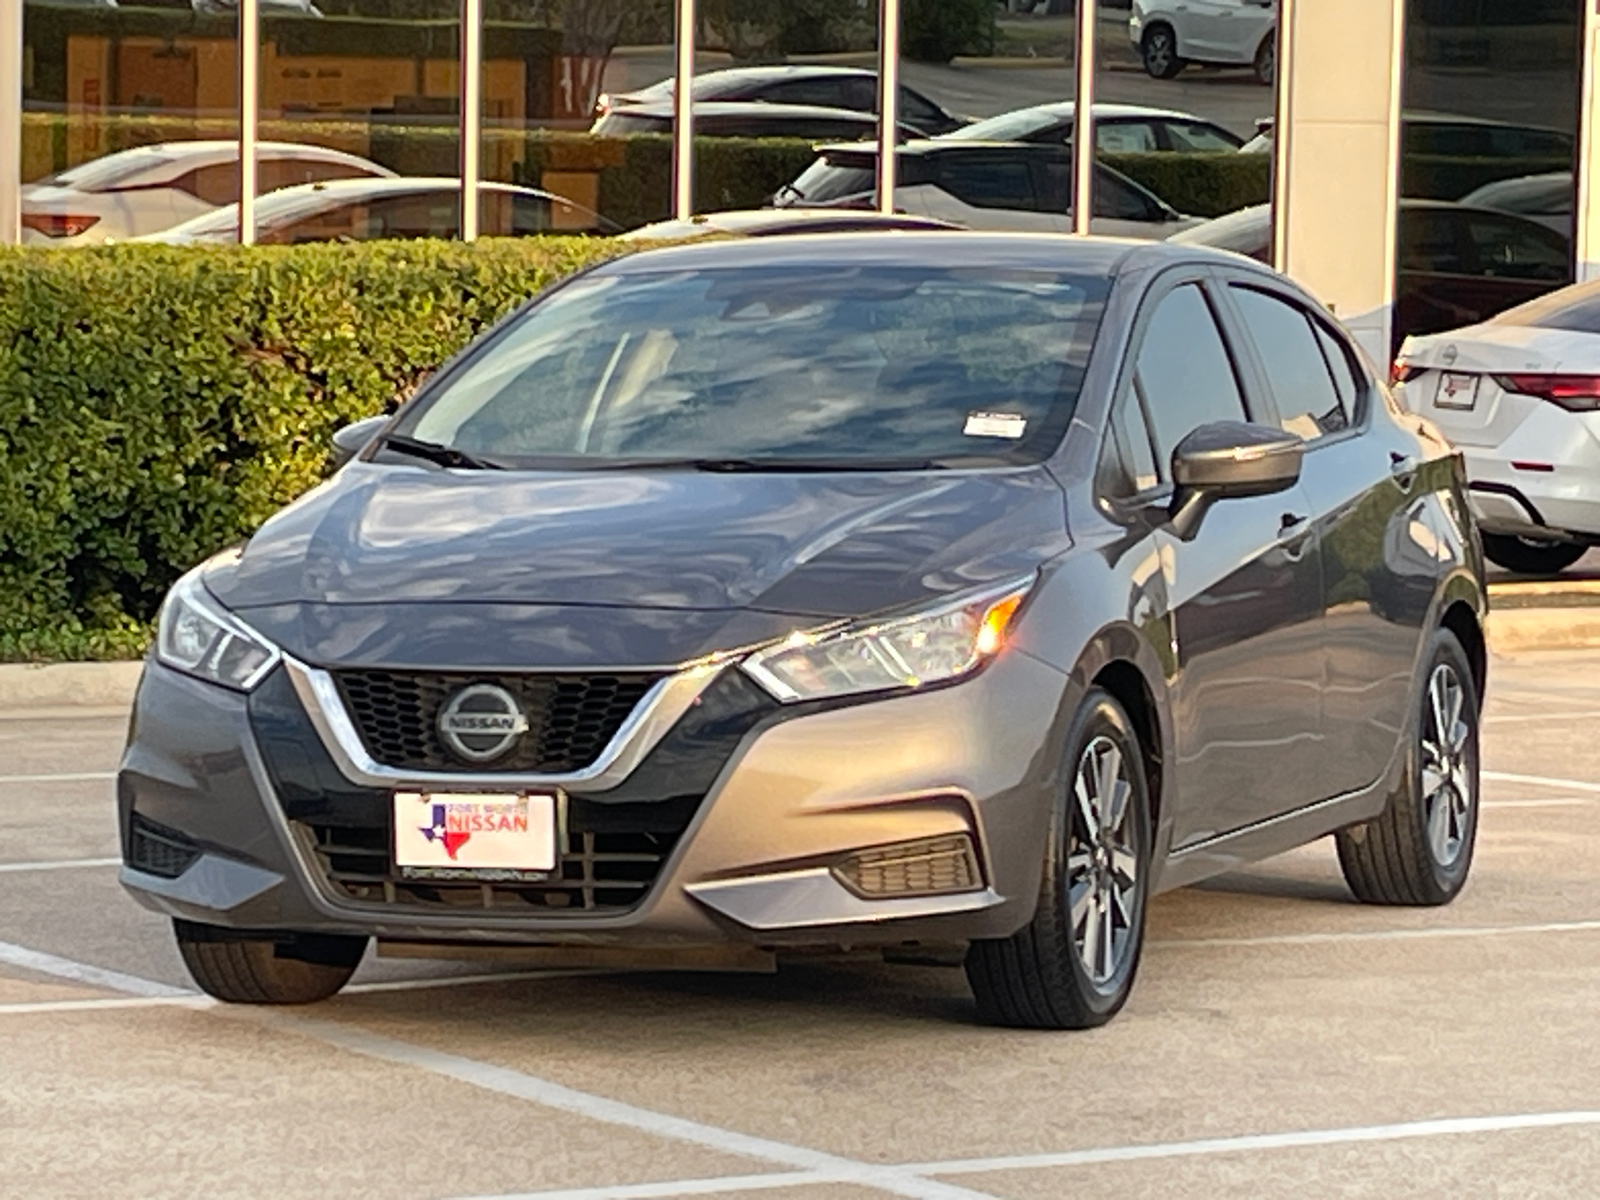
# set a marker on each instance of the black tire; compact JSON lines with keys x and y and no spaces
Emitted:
{"x":1265,"y":64}
{"x":1529,"y":557}
{"x":262,"y":968}
{"x":1039,"y":978}
{"x":1159,"y":51}
{"x":1400,"y":857}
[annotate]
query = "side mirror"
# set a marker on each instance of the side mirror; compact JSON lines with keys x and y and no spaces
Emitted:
{"x":351,"y":440}
{"x":1227,"y":460}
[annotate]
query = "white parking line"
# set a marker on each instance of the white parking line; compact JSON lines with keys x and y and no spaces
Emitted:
{"x":64,"y":864}
{"x":73,"y":777}
{"x":1555,"y":716}
{"x":714,"y":1186}
{"x":1574,"y":785}
{"x":1547,"y":802}
{"x":1382,"y":935}
{"x":65,"y":968}
{"x":31,"y":1007}
{"x":505,"y":1081}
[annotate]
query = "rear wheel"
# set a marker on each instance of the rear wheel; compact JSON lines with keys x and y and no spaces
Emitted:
{"x":1160,"y":52}
{"x":1530,"y":556}
{"x":262,"y":968}
{"x":1073,"y":965}
{"x":1266,"y":60}
{"x":1419,"y":849}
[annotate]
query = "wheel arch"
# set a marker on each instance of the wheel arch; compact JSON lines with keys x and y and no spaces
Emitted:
{"x":1460,"y":619}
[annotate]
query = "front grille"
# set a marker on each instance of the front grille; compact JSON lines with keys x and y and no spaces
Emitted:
{"x":157,"y":850}
{"x":601,"y":869}
{"x":571,"y":718}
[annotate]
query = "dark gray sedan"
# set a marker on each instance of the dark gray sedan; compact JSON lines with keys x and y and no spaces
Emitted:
{"x":949,"y":594}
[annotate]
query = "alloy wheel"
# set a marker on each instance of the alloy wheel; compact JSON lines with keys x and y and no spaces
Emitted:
{"x":1447,"y":782}
{"x":1102,"y":862}
{"x":1158,"y":53}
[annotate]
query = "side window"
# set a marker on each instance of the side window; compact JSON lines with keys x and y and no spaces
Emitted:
{"x":1183,"y":373}
{"x":274,"y":173}
{"x":1192,"y":136}
{"x":1297,"y":369}
{"x":1115,"y":200}
{"x":1518,"y":249}
{"x":217,"y":184}
{"x":1119,"y":137}
{"x":825,"y":93}
{"x":989,"y":183}
{"x":1348,"y":378}
{"x":1127,"y":464}
{"x":419,"y":215}
{"x":342,"y":222}
{"x":1430,"y":240}
{"x":914,"y":110}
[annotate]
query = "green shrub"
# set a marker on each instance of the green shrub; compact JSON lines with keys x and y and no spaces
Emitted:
{"x":1201,"y":185}
{"x":158,"y":403}
{"x":935,"y":31}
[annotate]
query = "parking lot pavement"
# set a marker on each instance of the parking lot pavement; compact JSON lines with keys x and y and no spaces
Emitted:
{"x":1282,"y":1039}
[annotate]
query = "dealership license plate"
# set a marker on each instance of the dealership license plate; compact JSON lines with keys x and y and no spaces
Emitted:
{"x":1456,"y":391}
{"x":475,"y":836}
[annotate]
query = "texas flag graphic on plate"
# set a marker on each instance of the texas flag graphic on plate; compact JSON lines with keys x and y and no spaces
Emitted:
{"x":490,"y":831}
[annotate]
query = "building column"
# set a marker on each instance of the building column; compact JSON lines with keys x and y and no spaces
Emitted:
{"x":1586,"y":240}
{"x":1336,"y":180}
{"x":10,"y":122}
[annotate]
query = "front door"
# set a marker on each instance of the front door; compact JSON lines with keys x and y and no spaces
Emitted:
{"x":1245,"y":593}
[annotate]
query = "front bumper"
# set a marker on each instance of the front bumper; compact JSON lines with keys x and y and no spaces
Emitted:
{"x":259,"y":820}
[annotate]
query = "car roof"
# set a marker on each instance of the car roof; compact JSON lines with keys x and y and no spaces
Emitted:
{"x":388,"y":185}
{"x":776,"y":220}
{"x":747,"y":108}
{"x":956,"y":248}
{"x":1066,"y":108}
{"x":916,"y":147}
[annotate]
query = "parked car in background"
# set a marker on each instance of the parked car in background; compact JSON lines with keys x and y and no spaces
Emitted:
{"x":774,"y":222}
{"x":749,"y":119}
{"x":1519,"y":394}
{"x":151,"y":188}
{"x":985,"y":185}
{"x":1457,"y":265}
{"x":1547,"y":199}
{"x":926,"y":591}
{"x":1171,"y":34}
{"x":361,"y":210}
{"x":851,"y":88}
{"x":1117,"y":127}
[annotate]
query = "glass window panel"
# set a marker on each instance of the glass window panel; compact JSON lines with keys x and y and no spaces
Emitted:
{"x":1297,"y":369}
{"x":1183,"y":373}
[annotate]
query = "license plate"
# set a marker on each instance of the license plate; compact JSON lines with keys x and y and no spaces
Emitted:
{"x":1456,"y":391}
{"x":482,"y":836}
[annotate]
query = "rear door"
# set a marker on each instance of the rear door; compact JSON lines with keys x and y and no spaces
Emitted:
{"x":1371,"y":521}
{"x":985,"y":191}
{"x":1245,"y":591}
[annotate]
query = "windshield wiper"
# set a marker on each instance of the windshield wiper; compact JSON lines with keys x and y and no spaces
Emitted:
{"x":789,"y":189}
{"x":778,"y":466}
{"x":437,"y":453}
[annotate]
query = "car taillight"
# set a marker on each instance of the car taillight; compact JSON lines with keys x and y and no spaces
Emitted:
{"x":603,"y":105}
{"x":1575,"y":393}
{"x":62,"y":225}
{"x":1403,"y":372}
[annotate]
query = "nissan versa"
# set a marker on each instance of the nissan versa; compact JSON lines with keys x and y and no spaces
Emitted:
{"x":941,"y":593}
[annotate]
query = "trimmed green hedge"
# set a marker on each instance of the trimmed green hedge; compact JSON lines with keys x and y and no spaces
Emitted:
{"x":1201,"y":185}
{"x":158,"y":403}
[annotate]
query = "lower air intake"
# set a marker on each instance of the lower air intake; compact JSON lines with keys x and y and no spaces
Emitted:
{"x":157,"y":850}
{"x":928,"y":867}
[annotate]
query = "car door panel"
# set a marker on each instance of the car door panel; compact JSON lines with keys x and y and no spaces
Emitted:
{"x":1245,"y":597}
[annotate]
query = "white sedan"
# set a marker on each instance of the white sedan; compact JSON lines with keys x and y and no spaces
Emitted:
{"x":1170,"y":34}
{"x":1520,"y":396}
{"x":150,"y":188}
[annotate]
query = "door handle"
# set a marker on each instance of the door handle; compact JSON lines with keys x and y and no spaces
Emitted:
{"x":1290,"y":520}
{"x":1299,"y":525}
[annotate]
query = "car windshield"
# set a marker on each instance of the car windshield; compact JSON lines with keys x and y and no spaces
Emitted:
{"x":1016,"y":126}
{"x":867,"y":367}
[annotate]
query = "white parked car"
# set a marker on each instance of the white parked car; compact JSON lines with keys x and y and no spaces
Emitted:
{"x":1520,"y":396}
{"x":1170,"y":34}
{"x":1118,"y":128}
{"x":151,"y":188}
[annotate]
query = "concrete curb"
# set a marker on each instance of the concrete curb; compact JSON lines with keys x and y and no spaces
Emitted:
{"x":27,"y":689}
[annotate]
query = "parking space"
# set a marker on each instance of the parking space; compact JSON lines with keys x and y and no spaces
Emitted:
{"x":1281,"y":1038}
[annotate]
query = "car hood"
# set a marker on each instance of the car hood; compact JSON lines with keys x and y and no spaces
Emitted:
{"x":567,"y":569}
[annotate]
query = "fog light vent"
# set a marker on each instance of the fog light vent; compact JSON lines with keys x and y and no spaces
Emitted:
{"x":157,"y":850}
{"x":927,"y":867}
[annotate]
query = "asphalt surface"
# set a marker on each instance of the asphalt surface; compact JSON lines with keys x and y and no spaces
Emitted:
{"x":1282,"y":1040}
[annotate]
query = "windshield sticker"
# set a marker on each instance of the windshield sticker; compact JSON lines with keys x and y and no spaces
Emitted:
{"x":993,"y":424}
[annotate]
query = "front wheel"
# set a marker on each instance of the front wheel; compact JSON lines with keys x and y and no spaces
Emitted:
{"x":1160,"y":53}
{"x":282,"y":968}
{"x":1528,"y":556}
{"x":1419,"y":849}
{"x":1073,"y":965}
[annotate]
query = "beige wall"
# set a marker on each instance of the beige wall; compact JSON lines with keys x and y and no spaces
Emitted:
{"x":1337,"y":167}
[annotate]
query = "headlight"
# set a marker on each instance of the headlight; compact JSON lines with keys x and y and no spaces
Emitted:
{"x":196,"y":636}
{"x":939,"y":644}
